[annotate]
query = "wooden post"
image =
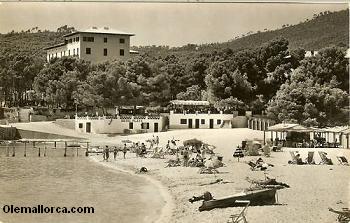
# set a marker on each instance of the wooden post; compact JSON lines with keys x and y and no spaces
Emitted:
{"x":39,"y":152}
{"x":87,"y":149}
{"x":25,"y":149}
{"x":13,"y":150}
{"x":55,"y":145}
{"x":65,"y":149}
{"x":8,"y":150}
{"x":264,"y":138}
{"x":44,"y":148}
{"x":33,"y":144}
{"x":77,"y":151}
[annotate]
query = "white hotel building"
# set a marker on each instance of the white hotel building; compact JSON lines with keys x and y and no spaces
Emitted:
{"x":94,"y":45}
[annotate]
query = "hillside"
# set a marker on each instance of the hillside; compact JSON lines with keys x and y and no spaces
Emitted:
{"x":321,"y":31}
{"x":325,"y":30}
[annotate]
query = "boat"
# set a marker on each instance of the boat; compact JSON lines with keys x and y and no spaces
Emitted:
{"x":256,"y":198}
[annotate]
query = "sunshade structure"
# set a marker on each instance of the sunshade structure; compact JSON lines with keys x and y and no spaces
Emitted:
{"x":189,"y":102}
{"x":193,"y":142}
{"x":284,"y":127}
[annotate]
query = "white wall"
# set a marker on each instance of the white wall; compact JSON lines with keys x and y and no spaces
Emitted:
{"x":175,"y":120}
{"x":113,"y":47}
{"x":117,"y":125}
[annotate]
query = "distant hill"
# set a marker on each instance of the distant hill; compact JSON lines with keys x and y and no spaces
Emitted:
{"x":325,"y":29}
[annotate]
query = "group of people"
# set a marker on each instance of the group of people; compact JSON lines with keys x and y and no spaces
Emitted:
{"x":106,"y":152}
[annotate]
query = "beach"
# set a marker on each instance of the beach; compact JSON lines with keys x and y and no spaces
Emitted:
{"x":313,"y":188}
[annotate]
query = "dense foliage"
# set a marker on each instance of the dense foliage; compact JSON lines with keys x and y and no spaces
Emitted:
{"x":272,"y":77}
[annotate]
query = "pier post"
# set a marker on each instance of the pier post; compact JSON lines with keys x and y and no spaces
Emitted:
{"x":55,"y":145}
{"x":25,"y":149}
{"x":13,"y":150}
{"x":39,"y":152}
{"x":8,"y":150}
{"x":77,"y":151}
{"x":44,"y":148}
{"x":87,"y":149}
{"x":65,"y":149}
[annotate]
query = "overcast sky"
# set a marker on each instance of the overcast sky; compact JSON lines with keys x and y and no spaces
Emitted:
{"x":172,"y":24}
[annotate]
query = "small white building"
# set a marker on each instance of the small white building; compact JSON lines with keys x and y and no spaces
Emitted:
{"x":201,"y":117}
{"x":311,"y":53}
{"x":120,"y":124}
{"x":94,"y":45}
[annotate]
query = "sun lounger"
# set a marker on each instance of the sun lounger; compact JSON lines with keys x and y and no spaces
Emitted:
{"x":240,"y":217}
{"x":294,"y":158}
{"x":325,"y":159}
{"x":342,"y":160}
{"x":343,"y":215}
{"x":310,"y":158}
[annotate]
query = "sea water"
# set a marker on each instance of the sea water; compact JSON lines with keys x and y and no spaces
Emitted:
{"x":72,"y":181}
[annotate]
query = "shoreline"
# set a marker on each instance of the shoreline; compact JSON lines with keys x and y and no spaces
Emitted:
{"x":166,"y":210}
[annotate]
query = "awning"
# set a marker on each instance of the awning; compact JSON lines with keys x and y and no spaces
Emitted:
{"x":284,"y":127}
{"x":189,"y":102}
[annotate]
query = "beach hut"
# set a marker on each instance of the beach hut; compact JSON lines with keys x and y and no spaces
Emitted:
{"x":344,"y":138}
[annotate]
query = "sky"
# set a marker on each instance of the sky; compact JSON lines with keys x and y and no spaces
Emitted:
{"x":172,"y":24}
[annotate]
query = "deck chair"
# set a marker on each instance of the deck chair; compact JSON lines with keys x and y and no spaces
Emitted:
{"x":241,"y":216}
{"x":267,"y":151}
{"x":325,"y":159}
{"x":310,"y":158}
{"x":342,"y":160}
{"x":294,"y":158}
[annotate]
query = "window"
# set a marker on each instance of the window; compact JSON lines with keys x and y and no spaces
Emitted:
{"x":68,"y":52}
{"x":121,"y":40}
{"x":145,"y":125}
{"x":64,"y":53}
{"x":88,"y":39}
{"x":70,"y":40}
{"x":202,"y":121}
{"x":121,"y":52}
{"x":80,"y":125}
{"x":105,"y":52}
{"x":78,"y":51}
{"x":73,"y":52}
{"x":105,"y":40}
{"x":183,"y":121}
{"x":88,"y":50}
{"x":218,"y":121}
{"x":77,"y":39}
{"x":131,"y":125}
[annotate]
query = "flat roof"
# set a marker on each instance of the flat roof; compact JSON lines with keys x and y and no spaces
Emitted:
{"x":189,"y":102}
{"x":104,"y":30}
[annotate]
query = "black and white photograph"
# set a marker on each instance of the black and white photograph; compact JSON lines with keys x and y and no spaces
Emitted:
{"x":174,"y":111}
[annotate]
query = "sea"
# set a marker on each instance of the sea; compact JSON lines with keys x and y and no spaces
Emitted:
{"x":53,"y":180}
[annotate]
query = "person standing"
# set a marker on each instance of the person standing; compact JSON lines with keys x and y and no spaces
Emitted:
{"x":157,"y":140}
{"x":107,"y":153}
{"x":125,"y":149}
{"x":115,"y":152}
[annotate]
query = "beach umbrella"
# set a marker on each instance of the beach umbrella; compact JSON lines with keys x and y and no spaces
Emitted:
{"x":238,"y":153}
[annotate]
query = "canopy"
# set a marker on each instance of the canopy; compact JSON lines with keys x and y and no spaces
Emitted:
{"x":336,"y":129}
{"x":284,"y":127}
{"x":189,"y":102}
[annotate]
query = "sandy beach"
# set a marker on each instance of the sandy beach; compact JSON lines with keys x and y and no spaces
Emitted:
{"x":313,"y":188}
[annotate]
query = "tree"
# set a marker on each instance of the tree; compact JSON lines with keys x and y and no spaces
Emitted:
{"x":192,"y":93}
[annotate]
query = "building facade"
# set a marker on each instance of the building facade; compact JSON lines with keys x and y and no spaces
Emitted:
{"x":120,"y":124}
{"x":94,"y":45}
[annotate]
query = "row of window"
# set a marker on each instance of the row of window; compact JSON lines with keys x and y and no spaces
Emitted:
{"x":75,"y":52}
{"x":92,"y":39}
{"x":105,"y":51}
{"x":184,"y":121}
{"x":143,"y":125}
{"x":75,"y":39}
